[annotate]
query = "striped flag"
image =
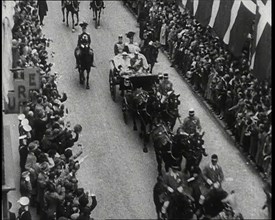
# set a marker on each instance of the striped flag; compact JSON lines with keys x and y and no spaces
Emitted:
{"x":240,"y":25}
{"x":261,"y":47}
{"x":203,"y":11}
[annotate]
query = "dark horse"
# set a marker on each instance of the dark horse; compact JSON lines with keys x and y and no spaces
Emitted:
{"x":135,"y":102}
{"x":170,"y":111}
{"x":73,"y":7}
{"x":97,"y":6}
{"x":190,"y":147}
{"x":180,"y":205}
{"x":84,"y":56}
{"x":162,"y":141}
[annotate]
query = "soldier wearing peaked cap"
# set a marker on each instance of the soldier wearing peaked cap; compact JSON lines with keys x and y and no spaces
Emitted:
{"x":84,"y":37}
{"x":191,"y":124}
{"x":84,"y":41}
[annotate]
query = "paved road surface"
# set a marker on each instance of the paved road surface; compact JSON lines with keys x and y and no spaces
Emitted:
{"x":117,"y":170}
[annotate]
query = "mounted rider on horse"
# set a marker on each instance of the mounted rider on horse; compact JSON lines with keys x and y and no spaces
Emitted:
{"x":84,"y":54}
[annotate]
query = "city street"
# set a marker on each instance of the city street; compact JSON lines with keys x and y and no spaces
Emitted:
{"x":116,"y":170}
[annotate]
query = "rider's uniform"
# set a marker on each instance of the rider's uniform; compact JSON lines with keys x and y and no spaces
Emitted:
{"x":191,"y":125}
{"x":81,"y":39}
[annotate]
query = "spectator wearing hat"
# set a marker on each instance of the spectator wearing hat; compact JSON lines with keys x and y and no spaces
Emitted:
{"x":39,"y":125}
{"x":191,"y":124}
{"x":119,"y":46}
{"x":213,"y":173}
{"x":23,"y":212}
{"x":42,"y":180}
{"x":42,"y":10}
{"x":84,"y":206}
{"x":31,"y":160}
{"x":163,"y":34}
{"x":25,"y":185}
{"x":151,"y":54}
{"x":52,"y":198}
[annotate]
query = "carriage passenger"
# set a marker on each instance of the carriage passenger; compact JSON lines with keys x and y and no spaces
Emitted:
{"x":139,"y":62}
{"x":124,"y":64}
{"x":131,"y":46}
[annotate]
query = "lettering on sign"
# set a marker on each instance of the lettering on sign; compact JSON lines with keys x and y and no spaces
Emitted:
{"x":23,"y":86}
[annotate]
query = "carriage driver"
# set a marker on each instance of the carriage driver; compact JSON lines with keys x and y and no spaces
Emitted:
{"x":84,"y":39}
{"x":165,"y":87}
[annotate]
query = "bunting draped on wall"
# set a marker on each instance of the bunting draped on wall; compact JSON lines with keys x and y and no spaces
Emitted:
{"x":232,"y":20}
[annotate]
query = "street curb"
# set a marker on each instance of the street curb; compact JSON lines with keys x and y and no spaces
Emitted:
{"x":206,"y":106}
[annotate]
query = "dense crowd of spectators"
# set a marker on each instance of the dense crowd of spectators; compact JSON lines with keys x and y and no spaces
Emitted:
{"x":226,"y":82}
{"x":48,"y":158}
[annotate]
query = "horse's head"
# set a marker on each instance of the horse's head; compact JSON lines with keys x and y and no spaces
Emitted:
{"x":181,"y":207}
{"x":140,"y":97}
{"x":173,"y":101}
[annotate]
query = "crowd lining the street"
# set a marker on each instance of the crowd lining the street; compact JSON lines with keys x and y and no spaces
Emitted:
{"x":224,"y":81}
{"x":49,"y":159}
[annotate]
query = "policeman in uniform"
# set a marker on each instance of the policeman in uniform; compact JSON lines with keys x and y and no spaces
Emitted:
{"x":84,"y":39}
{"x":119,"y":46}
{"x":191,"y":124}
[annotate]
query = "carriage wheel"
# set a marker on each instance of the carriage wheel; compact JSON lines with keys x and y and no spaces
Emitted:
{"x":112,"y":85}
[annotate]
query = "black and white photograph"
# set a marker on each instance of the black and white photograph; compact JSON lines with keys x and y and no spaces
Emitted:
{"x":136,"y":109}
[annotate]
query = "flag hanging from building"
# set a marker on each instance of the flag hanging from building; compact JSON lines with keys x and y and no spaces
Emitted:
{"x":203,"y":12}
{"x":240,"y":25}
{"x":261,"y":46}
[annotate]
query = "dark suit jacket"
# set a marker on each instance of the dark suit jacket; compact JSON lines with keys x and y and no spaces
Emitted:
{"x":25,"y":216}
{"x":42,"y":7}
